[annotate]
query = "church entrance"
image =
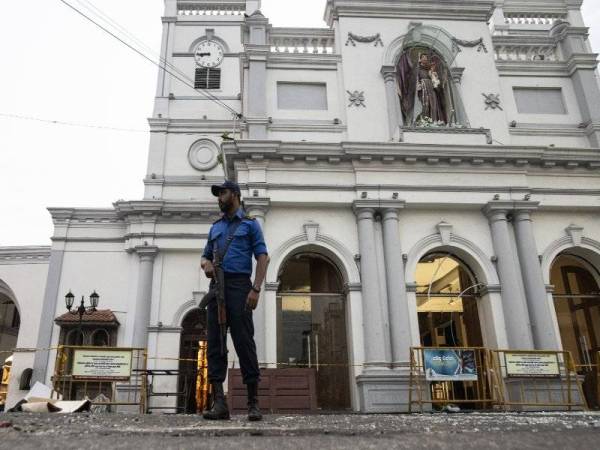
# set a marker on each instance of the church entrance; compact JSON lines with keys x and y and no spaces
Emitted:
{"x":577,"y":305}
{"x":447,"y":297}
{"x":311,"y":327}
{"x":192,"y":335}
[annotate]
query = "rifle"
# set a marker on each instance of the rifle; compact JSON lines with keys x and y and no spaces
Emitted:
{"x":217,"y":286}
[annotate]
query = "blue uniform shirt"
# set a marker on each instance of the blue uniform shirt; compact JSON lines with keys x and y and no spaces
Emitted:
{"x":248,"y":240}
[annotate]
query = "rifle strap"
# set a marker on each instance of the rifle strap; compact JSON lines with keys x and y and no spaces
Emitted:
{"x":229,"y":240}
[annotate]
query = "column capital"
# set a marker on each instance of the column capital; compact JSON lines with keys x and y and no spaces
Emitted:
{"x":257,"y":206}
{"x":365,"y":209}
{"x":272,"y":286}
{"x":389,"y":73}
{"x":523,"y":209}
{"x":147,"y":252}
{"x":497,"y":210}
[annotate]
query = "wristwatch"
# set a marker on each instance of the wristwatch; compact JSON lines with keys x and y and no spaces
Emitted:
{"x":255,"y":289}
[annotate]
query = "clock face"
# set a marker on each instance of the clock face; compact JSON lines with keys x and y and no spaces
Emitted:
{"x":209,"y":54}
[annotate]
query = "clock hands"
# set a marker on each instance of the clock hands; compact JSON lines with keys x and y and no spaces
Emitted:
{"x":201,"y":55}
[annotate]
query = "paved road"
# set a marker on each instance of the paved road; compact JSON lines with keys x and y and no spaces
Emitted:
{"x":432,"y":431}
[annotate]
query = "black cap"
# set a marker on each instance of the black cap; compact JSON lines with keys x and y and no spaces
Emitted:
{"x":231,"y":185}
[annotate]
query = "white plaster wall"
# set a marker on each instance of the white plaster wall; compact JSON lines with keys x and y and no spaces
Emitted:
{"x":329,"y":77}
{"x":28,"y":283}
{"x":573,"y":115}
{"x":181,"y":276}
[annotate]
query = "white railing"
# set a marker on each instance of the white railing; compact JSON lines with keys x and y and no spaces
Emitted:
{"x":204,"y":8}
{"x":525,"y":53}
{"x":532,"y":19}
{"x":302,"y":40}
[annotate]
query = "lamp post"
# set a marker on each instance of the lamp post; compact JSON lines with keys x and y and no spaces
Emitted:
{"x":81,"y":309}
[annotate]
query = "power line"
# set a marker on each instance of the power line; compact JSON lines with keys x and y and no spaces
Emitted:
{"x":104,"y":17}
{"x":70,"y":124}
{"x":163,"y":65}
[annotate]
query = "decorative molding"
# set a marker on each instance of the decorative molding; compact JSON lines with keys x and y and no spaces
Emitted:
{"x":464,"y":248}
{"x":457,"y":74}
{"x":459,"y":10}
{"x":520,"y":157}
{"x":273,"y":286}
{"x":340,"y":254}
{"x":164,"y":329}
{"x":25,"y":255}
{"x":492,"y":101}
{"x":458,"y":43}
{"x":311,"y":229}
{"x":445,"y":232}
{"x":491,"y":289}
{"x":575,"y":233}
{"x":452,"y":130}
{"x":353,"y":38}
{"x":353,"y":287}
{"x":356,"y":98}
{"x":560,"y":245}
{"x":203,"y":155}
{"x":185,"y":308}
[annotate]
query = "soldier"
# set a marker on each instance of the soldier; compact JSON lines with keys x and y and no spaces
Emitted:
{"x":233,"y":240}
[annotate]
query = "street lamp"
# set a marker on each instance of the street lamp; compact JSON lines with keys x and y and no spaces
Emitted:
{"x":82,"y":309}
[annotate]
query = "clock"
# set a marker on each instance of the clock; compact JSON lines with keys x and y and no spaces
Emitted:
{"x":209,"y":54}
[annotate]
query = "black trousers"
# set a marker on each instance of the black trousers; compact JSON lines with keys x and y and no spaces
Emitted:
{"x":239,"y":321}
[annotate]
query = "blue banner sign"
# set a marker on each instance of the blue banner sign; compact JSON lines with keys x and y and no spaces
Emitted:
{"x":449,"y":365}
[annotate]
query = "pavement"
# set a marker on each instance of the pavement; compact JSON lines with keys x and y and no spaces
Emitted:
{"x":432,"y":431}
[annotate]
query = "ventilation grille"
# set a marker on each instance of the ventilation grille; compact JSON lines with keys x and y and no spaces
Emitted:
{"x":208,"y":78}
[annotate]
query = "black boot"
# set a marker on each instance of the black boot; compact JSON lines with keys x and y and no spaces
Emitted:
{"x":219,"y":410}
{"x":254,"y":414}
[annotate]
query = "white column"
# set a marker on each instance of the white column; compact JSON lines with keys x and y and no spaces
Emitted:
{"x":393,"y":103}
{"x":542,"y":323}
{"x":396,"y":288}
{"x":270,"y":304}
{"x":516,"y":313}
{"x":374,"y":333}
{"x":258,"y":208}
{"x":144,"y":295}
{"x":257,"y":50}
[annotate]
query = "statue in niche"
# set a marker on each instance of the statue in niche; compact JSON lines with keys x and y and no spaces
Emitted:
{"x":427,"y":93}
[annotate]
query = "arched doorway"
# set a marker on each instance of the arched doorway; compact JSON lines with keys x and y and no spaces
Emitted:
{"x":577,"y":305}
{"x":10,"y":322}
{"x":447,"y":308}
{"x":447,"y":295}
{"x":193,"y":331}
{"x":311,"y":326}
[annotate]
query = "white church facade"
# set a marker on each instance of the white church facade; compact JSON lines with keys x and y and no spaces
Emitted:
{"x":426,"y":174}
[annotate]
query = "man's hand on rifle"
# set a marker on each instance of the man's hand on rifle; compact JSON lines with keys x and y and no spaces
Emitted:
{"x":208,"y":268}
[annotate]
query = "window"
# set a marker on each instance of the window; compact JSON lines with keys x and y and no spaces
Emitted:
{"x":208,"y":78}
{"x":312,"y":96}
{"x":539,"y":100}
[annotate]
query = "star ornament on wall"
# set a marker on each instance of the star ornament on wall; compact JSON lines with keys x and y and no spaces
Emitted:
{"x":357,"y":98}
{"x":492,"y":101}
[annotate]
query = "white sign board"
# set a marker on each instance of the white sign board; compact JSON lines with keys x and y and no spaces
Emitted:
{"x":532,"y":365}
{"x":113,"y":365}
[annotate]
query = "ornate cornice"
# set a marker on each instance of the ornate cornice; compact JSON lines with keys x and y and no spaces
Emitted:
{"x":152,"y":209}
{"x":25,"y":255}
{"x":472,"y":10}
{"x":545,"y":158}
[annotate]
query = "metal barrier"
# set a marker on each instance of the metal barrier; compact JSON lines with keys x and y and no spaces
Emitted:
{"x":442,"y":376}
{"x":102,"y":373}
{"x":538,"y":380}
